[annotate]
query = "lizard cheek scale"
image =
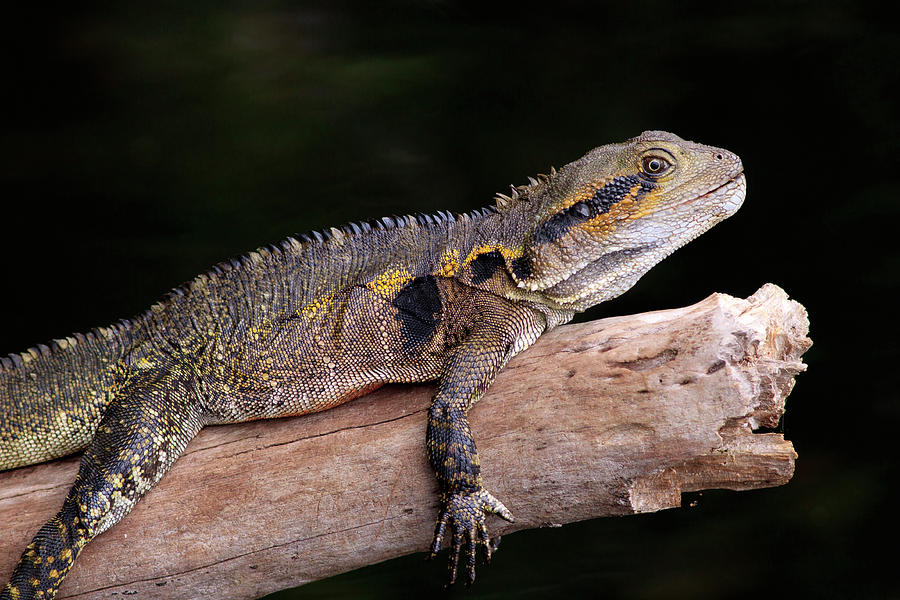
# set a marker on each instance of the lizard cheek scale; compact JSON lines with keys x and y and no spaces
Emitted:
{"x":316,"y":320}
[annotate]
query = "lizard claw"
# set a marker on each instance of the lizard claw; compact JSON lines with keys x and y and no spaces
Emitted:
{"x":463,"y":513}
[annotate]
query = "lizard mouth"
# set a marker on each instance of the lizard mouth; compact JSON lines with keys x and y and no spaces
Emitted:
{"x":735,"y":183}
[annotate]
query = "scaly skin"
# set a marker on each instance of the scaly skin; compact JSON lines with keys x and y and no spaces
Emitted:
{"x":311,"y":323}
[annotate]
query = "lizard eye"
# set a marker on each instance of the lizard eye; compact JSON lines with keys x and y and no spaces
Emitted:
{"x":654,"y":166}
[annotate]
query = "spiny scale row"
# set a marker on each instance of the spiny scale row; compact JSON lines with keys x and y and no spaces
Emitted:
{"x":313,"y":237}
{"x":18,"y":361}
{"x":503,"y":201}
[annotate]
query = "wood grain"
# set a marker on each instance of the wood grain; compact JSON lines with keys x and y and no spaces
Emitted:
{"x":612,"y":417}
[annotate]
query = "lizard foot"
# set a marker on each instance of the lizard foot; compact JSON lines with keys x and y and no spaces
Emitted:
{"x":463,"y":514}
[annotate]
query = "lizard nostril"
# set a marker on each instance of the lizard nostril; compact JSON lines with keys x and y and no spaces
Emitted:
{"x":719,"y":157}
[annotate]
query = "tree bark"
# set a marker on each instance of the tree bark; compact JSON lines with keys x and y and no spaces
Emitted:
{"x":612,"y":417}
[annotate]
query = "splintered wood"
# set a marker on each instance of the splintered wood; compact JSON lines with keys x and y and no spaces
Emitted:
{"x":612,"y":417}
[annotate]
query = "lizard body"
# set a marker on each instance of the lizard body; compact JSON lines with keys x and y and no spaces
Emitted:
{"x":313,"y":322}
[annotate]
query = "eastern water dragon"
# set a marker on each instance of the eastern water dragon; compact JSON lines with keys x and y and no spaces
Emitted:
{"x":316,"y":320}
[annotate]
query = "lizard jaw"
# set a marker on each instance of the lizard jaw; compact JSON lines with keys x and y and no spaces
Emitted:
{"x":738,"y":184}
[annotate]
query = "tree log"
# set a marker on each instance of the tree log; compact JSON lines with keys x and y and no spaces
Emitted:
{"x":612,"y":417}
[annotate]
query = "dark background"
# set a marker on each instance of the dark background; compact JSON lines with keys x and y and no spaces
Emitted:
{"x":141,"y":144}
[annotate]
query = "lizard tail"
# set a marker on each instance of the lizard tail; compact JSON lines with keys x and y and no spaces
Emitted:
{"x":52,"y":397}
{"x":60,"y":540}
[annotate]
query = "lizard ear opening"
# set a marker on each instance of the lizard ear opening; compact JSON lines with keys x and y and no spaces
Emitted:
{"x":572,"y":232}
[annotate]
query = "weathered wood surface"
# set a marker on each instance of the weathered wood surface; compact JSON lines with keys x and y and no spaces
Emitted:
{"x":611,"y":417}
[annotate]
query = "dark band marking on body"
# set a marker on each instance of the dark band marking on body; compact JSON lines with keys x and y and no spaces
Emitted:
{"x":485,"y":265}
{"x":585,"y":210}
{"x":419,"y":310}
{"x":521,"y":267}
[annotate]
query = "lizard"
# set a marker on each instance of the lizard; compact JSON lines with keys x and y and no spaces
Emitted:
{"x":319,"y":319}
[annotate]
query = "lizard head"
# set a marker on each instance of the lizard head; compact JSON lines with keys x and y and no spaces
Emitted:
{"x":603,"y":221}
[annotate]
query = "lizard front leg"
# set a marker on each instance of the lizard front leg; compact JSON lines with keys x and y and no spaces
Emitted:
{"x":499,"y":332}
{"x":144,"y":430}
